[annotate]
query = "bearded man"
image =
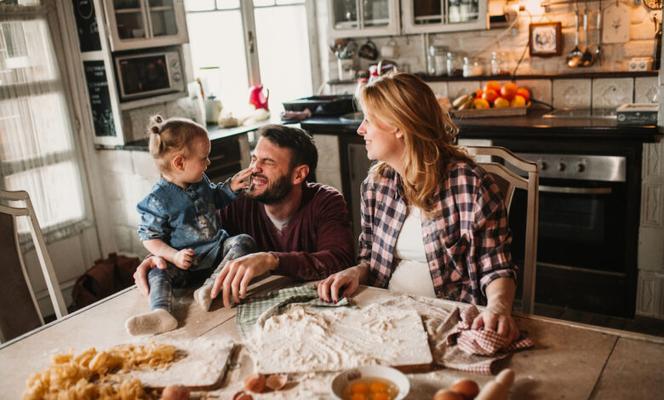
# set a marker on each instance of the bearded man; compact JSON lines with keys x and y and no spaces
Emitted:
{"x":302,"y":229}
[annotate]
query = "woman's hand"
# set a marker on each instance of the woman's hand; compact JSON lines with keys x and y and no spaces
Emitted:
{"x":183,"y":258}
{"x":501,"y":323}
{"x":348,"y":280}
{"x":497,"y":316}
{"x":241,"y":180}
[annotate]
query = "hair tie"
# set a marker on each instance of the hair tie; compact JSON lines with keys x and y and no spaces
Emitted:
{"x":158,"y":119}
{"x":155,"y":129}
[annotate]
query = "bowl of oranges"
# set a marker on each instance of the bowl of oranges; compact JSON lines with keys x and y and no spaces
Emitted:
{"x":372,"y":382}
{"x":493,"y":99}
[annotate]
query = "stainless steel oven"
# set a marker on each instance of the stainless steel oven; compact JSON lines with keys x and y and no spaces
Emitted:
{"x":588,"y":224}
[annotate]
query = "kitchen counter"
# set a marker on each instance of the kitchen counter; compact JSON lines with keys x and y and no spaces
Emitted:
{"x":520,"y":127}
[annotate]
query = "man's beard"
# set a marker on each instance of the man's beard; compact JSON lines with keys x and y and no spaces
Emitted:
{"x":275,"y":191}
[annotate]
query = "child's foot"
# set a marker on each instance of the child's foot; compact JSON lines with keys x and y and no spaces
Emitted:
{"x":203,"y":296}
{"x":153,"y":322}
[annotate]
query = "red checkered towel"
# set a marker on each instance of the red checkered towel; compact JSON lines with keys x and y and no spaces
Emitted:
{"x":483,"y":342}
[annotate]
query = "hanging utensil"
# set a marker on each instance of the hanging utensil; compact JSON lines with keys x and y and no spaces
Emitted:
{"x":598,"y":50}
{"x":574,"y":56}
{"x":587,"y":56}
{"x":656,"y":5}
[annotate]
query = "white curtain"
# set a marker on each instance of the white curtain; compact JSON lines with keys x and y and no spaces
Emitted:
{"x":38,"y":151}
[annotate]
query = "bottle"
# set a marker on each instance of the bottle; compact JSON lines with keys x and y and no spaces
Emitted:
{"x":495,"y":65}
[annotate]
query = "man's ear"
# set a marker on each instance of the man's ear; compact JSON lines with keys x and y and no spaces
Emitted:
{"x":300,"y":173}
{"x":178,"y":162}
{"x":398,"y":134}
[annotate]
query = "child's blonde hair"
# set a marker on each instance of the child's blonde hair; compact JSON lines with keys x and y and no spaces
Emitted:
{"x":170,"y":136}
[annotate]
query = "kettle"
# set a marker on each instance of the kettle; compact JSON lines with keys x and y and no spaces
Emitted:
{"x":258,"y":96}
{"x":213,"y":109}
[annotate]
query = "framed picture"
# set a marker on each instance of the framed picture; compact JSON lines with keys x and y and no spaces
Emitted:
{"x":545,"y":39}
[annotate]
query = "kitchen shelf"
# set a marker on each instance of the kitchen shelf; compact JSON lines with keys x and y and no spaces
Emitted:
{"x":127,"y":10}
{"x":576,"y":75}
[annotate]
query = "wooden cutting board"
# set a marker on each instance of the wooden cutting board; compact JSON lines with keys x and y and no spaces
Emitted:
{"x":308,"y":339}
{"x":616,"y":20}
{"x":202,"y":368}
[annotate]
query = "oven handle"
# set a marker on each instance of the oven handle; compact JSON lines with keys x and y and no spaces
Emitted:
{"x":574,"y":190}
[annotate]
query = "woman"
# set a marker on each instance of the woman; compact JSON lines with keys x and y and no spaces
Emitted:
{"x":433,"y":222}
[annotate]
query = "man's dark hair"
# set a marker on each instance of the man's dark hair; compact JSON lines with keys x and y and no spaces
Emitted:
{"x":301,"y":144}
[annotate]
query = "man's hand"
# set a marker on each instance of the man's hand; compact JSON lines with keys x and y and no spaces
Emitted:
{"x":237,"y":274}
{"x":183,"y":258}
{"x":241,"y":180}
{"x":141,"y":273}
{"x":348,"y":280}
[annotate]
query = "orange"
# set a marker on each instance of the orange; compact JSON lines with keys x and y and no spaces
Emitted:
{"x":518,"y":101}
{"x":508,"y":90}
{"x":481,"y":103}
{"x":501,"y":102}
{"x":495,"y":85}
{"x":478,"y":93}
{"x":490,"y":95}
{"x":524,"y":92}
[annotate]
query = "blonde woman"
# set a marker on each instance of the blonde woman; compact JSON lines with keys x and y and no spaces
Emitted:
{"x":433,"y":222}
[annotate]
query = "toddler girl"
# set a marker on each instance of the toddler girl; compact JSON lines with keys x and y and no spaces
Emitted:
{"x":180,"y":223}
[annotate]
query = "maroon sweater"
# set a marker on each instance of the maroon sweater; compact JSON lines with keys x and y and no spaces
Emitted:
{"x":315,"y":243}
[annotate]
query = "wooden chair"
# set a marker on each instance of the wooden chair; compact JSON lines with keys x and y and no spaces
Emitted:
{"x":502,"y":163}
{"x":20,"y":312}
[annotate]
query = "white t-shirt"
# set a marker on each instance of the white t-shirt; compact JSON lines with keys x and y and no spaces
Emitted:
{"x":412,"y":274}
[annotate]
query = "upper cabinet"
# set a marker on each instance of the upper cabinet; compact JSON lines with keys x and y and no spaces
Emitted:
{"x":362,"y":18}
{"x":137,"y":24}
{"x":422,"y":16}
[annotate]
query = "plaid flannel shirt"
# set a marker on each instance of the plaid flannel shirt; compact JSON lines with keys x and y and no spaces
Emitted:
{"x":466,"y":236}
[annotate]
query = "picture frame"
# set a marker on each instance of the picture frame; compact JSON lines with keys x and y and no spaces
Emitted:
{"x":545,"y":39}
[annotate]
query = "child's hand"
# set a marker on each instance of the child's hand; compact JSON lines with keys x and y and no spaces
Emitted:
{"x":184,"y":258}
{"x":241,"y":180}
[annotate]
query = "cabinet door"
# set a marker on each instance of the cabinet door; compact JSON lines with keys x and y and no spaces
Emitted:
{"x":136,"y":24}
{"x":422,"y":16}
{"x":361,"y":18}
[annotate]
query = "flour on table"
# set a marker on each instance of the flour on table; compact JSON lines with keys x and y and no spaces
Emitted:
{"x":308,"y":339}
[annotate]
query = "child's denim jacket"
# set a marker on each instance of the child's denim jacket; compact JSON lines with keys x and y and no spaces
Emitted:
{"x":187,"y":218}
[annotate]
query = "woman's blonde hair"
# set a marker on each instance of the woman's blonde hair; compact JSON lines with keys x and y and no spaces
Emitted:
{"x":169,"y":136}
{"x":407,"y":103}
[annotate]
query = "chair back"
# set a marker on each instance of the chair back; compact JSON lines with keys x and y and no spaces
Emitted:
{"x":20,"y":312}
{"x":501,"y":164}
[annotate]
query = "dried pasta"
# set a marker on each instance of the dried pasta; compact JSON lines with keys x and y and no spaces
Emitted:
{"x":91,"y":374}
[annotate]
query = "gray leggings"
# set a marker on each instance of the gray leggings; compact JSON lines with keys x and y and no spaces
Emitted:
{"x":162,"y":281}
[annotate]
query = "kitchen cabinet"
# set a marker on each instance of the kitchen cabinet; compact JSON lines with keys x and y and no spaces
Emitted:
{"x":423,"y":16}
{"x":363,"y":18}
{"x":138,"y":24}
{"x":228,"y":155}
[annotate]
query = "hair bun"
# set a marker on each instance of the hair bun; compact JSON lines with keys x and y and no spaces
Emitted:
{"x":156,"y":123}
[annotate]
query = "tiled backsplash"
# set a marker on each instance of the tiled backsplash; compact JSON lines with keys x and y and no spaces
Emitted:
{"x":561,"y":93}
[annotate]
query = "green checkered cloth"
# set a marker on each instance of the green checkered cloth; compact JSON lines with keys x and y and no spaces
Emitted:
{"x":249,"y":312}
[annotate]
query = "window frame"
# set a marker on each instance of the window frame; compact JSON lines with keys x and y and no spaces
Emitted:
{"x":251,"y":42}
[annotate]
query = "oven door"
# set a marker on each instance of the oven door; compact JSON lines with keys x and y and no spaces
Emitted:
{"x":582,"y":246}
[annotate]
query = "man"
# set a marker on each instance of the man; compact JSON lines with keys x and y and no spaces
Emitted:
{"x":301,"y":229}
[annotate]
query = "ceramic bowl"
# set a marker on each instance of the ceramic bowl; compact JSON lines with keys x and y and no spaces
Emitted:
{"x":371,"y":371}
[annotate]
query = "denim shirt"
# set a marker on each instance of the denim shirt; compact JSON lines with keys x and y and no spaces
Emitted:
{"x":186,"y":218}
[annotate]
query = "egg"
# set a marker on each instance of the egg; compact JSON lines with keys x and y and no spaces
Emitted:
{"x":446,"y":394}
{"x":175,"y":392}
{"x":467,"y":388}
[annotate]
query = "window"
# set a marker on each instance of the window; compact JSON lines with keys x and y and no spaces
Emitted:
{"x":236,"y":44}
{"x":37,"y":147}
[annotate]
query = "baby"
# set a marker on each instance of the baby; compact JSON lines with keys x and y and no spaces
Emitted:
{"x":180,"y":223}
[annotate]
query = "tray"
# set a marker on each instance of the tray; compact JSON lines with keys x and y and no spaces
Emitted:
{"x":322,"y":105}
{"x":489,"y":112}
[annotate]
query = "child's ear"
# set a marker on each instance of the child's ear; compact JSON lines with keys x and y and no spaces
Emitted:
{"x":178,"y":162}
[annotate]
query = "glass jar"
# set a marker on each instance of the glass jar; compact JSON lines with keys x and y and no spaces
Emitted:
{"x":436,"y":60}
{"x":454,"y":11}
{"x":453,"y":65}
{"x":472,"y":67}
{"x":495,"y":65}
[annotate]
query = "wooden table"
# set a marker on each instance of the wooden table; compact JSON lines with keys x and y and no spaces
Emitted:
{"x":570,"y":360}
